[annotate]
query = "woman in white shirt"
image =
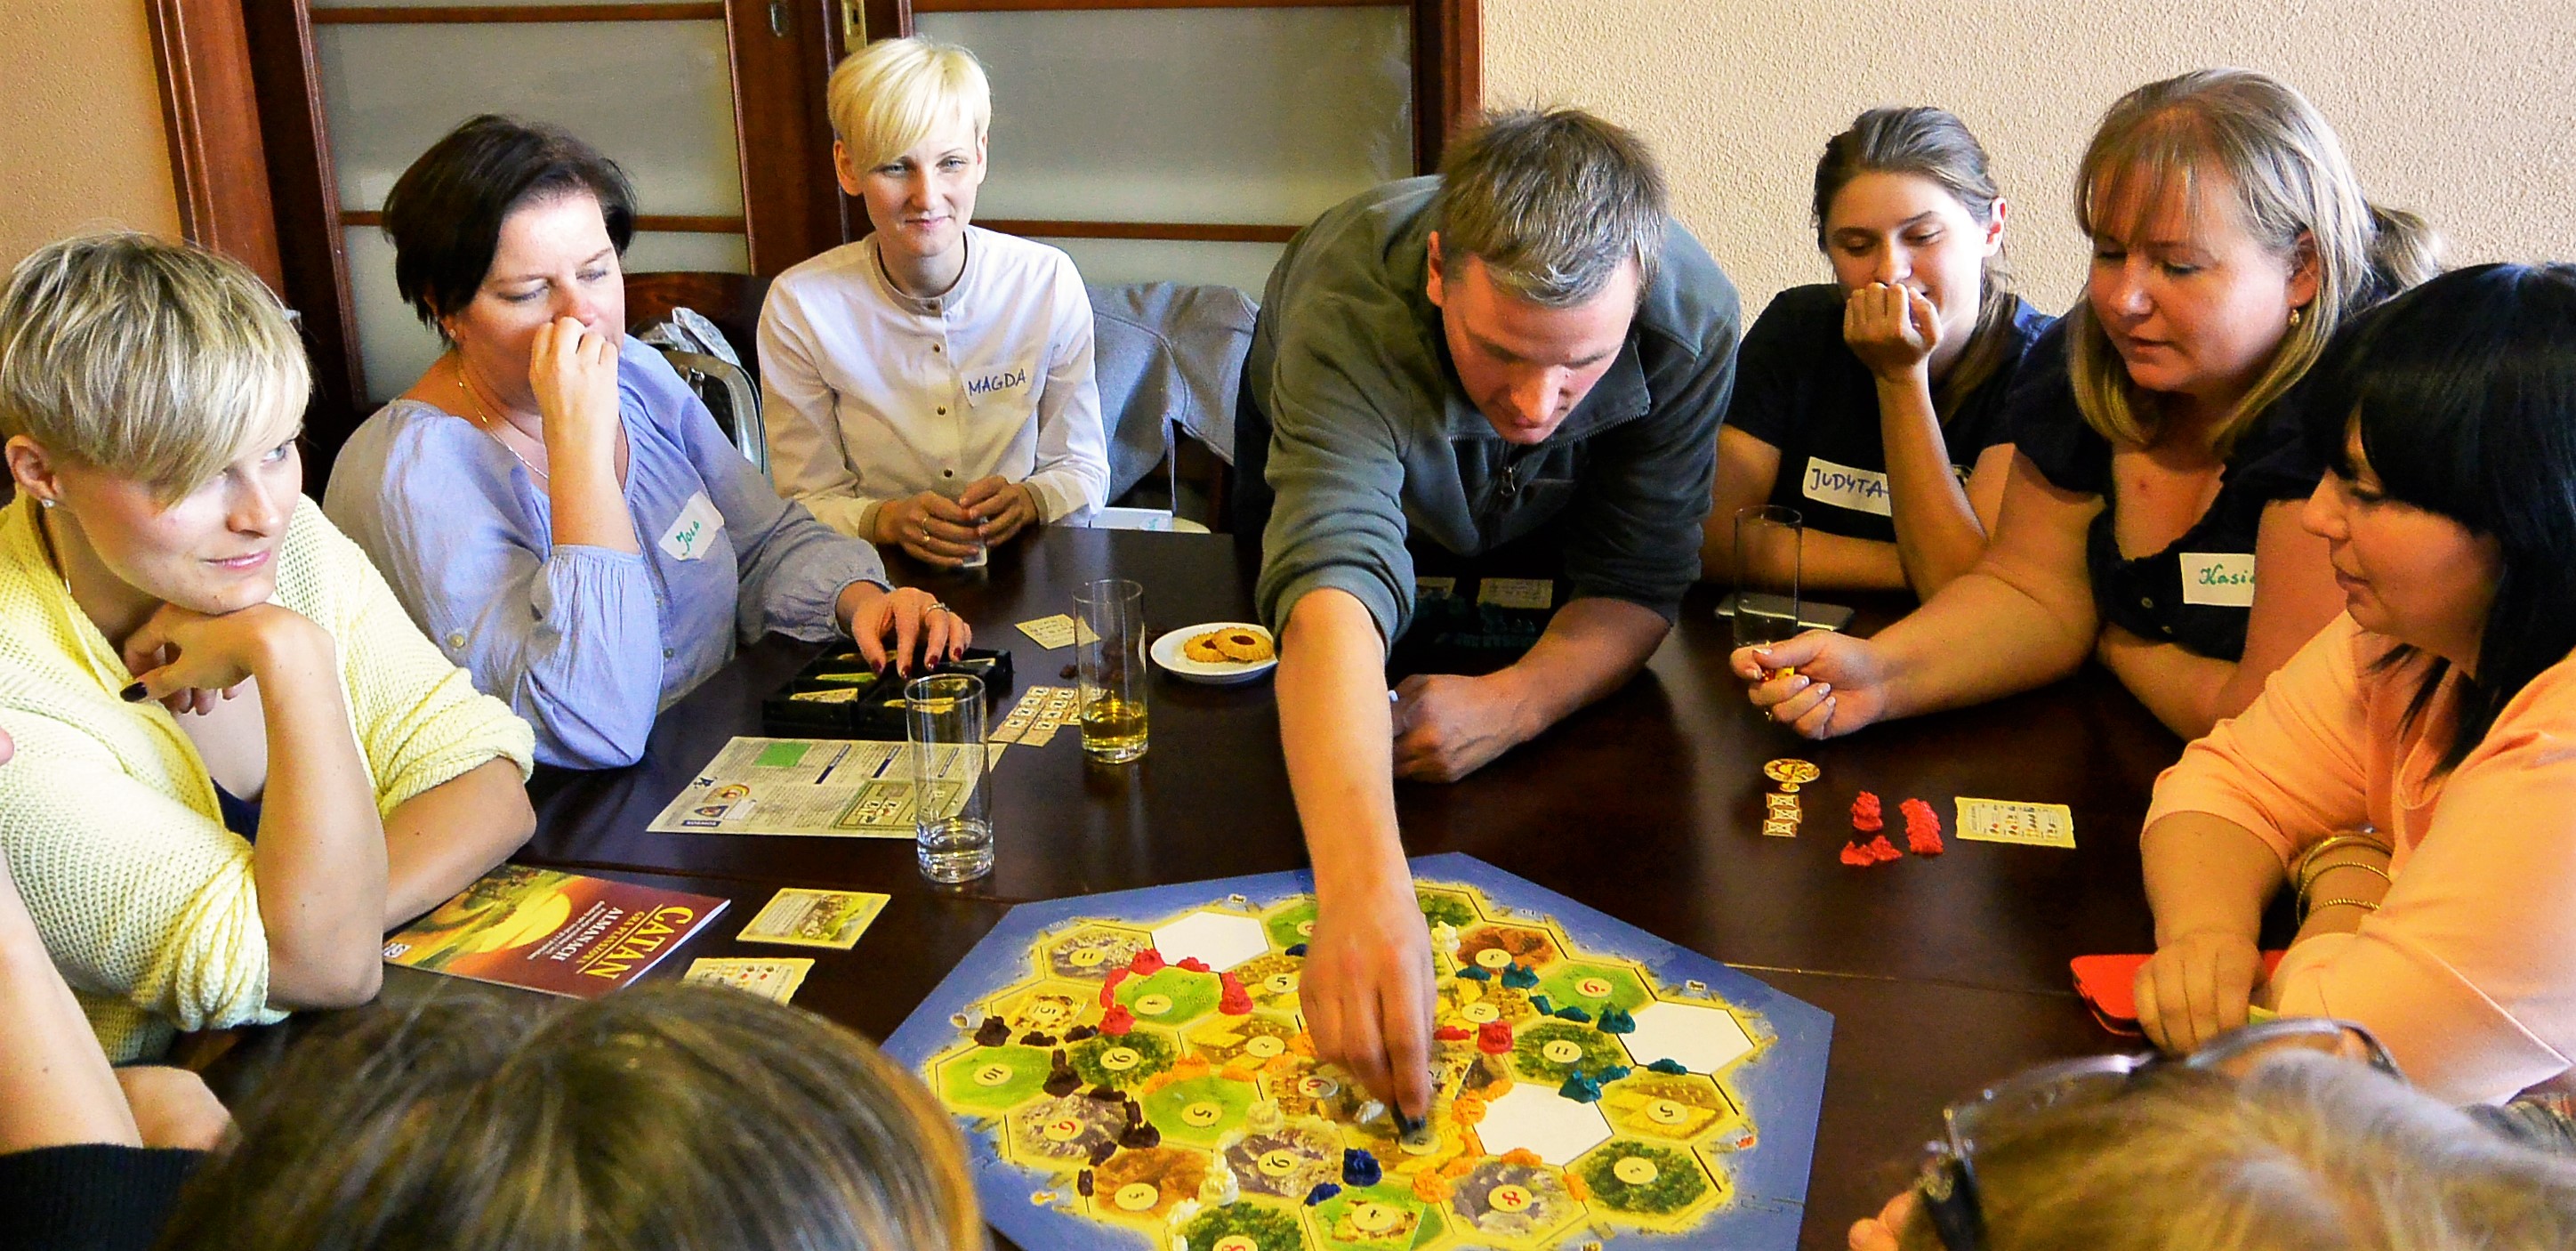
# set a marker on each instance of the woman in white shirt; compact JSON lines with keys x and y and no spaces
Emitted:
{"x":930,"y":386}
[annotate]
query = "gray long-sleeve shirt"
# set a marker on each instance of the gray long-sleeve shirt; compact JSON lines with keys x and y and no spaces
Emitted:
{"x":1373,"y":439}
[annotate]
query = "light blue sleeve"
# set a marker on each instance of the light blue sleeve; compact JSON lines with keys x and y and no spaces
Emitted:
{"x":569,"y":636}
{"x":794,"y":568}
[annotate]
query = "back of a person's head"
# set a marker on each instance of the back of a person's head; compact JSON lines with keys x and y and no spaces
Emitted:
{"x":2304,"y":1152}
{"x":159,"y":360}
{"x":1554,"y":203}
{"x":663,"y":1118}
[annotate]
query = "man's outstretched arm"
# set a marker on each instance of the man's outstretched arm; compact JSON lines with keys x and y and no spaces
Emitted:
{"x":1447,"y":727}
{"x":1367,"y":989}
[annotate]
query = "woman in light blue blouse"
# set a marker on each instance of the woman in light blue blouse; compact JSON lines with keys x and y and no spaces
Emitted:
{"x":554,"y":506}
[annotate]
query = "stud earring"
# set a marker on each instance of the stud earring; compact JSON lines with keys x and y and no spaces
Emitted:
{"x":42,"y":502}
{"x":2297,"y":315}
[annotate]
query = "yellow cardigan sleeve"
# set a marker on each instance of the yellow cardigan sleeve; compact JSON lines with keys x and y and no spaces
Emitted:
{"x":418,"y":718}
{"x":146,"y":905}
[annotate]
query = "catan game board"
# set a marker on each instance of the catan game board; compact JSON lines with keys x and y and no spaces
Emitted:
{"x":1132,"y":1073}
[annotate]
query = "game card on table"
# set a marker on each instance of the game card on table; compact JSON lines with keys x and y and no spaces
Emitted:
{"x":2011,"y":821}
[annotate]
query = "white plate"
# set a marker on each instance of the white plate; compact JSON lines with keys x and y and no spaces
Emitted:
{"x":1167,"y":653}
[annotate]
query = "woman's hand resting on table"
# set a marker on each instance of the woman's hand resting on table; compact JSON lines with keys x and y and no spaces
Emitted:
{"x":1840,"y":684}
{"x":911,"y":619}
{"x":2197,"y":986}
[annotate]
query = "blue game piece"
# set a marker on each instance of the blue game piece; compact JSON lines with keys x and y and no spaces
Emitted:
{"x":1615,"y":1020}
{"x":1610,"y":1073}
{"x":1668,"y":1066}
{"x":1543,"y":1005}
{"x":1359,"y":1168}
{"x":1296,"y":949}
{"x":1580,"y":1089}
{"x":1321,"y":1192}
{"x":1520,"y":976}
{"x":1474,"y":974}
{"x":1572,"y":1013}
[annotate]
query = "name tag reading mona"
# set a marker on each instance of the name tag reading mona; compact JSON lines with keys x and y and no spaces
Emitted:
{"x":694,"y":530}
{"x":2218,"y":579}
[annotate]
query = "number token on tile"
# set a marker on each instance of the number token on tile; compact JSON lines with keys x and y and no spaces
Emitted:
{"x":1481,"y":1013}
{"x":1202,"y":1114}
{"x":1264,"y":1046}
{"x":1120,"y":1059}
{"x":1561,"y":1050}
{"x":1509,"y":1198}
{"x":1279,"y":1163}
{"x":1137,"y":1196}
{"x":1235,"y":1242}
{"x":1593,"y":988}
{"x":1493,"y":958}
{"x":1153,"y":1005}
{"x":1084,"y":957}
{"x":1634,"y":1170}
{"x":994,"y":1075}
{"x":1666,"y":1112}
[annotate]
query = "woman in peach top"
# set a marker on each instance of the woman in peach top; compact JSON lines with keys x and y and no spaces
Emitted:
{"x":2411,"y":773}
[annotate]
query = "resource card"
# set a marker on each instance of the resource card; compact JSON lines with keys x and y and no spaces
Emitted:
{"x":1050,"y":632}
{"x":770,"y":979}
{"x":2010,"y":821}
{"x":814,"y":918}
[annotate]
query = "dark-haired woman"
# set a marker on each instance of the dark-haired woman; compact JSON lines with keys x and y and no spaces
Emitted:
{"x":552,"y":504}
{"x":2410,"y":773}
{"x":1873,"y":404}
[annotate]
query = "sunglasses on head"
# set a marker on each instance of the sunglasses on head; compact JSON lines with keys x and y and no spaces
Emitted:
{"x":1947,"y":1187}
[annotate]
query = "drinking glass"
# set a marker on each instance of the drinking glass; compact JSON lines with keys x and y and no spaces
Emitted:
{"x":1109,"y":658}
{"x":1767,"y":541}
{"x":952,"y":807}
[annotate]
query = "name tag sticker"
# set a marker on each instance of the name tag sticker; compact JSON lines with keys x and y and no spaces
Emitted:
{"x":2218,"y":579}
{"x":1845,"y":487}
{"x":694,"y":530}
{"x":1536,"y":593}
{"x":997,"y":381}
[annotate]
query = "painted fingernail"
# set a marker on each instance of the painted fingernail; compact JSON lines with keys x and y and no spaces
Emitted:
{"x":134,"y":694}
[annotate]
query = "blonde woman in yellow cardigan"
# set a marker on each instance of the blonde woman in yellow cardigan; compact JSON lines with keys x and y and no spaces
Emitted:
{"x":239,"y":763}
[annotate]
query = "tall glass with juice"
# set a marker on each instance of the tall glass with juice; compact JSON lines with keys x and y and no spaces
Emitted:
{"x":1767,"y":542}
{"x":1109,"y":659}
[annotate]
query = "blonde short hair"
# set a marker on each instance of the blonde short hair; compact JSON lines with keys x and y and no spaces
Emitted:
{"x":889,"y":95}
{"x":2290,"y":178}
{"x":2304,"y":1152}
{"x":159,"y":360}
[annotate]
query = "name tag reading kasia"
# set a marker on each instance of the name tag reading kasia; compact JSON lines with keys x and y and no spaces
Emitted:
{"x":2218,"y":579}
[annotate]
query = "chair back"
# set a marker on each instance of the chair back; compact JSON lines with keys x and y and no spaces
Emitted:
{"x":731,"y":301}
{"x":1167,"y":356}
{"x":729,"y":394}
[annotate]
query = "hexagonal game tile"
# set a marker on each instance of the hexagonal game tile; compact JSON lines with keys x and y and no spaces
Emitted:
{"x":1223,"y":939}
{"x":1659,"y":1186}
{"x":1092,"y":950}
{"x":1555,"y":1128}
{"x":1291,"y":924}
{"x":1516,"y":1204}
{"x":1704,"y":1039}
{"x":1200,"y":1111}
{"x":993,"y":1079}
{"x":1675,"y":1109}
{"x":1594,"y":984}
{"x":1171,"y":996}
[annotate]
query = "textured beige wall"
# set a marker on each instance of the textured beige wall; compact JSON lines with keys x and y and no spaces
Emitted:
{"x":81,"y":142}
{"x":2462,"y":111}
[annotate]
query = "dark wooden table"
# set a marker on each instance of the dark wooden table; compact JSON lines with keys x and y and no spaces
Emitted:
{"x":1940,"y":973}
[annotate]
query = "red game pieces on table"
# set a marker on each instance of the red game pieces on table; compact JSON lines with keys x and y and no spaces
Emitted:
{"x":1117,"y":1020}
{"x":1865,"y":814}
{"x":1494,"y":1038}
{"x":1922,"y":828}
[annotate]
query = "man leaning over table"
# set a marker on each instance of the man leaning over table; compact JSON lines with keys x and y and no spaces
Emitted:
{"x":1523,"y":352}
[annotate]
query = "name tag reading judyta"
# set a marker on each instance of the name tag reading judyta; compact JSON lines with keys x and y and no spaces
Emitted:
{"x":694,"y":530}
{"x":2218,"y":579}
{"x":1845,"y":487}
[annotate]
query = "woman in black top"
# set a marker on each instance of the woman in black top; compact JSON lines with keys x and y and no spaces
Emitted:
{"x":1874,"y":404}
{"x":2151,"y":518}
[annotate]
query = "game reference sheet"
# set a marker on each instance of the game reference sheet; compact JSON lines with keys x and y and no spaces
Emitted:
{"x":850,"y":788}
{"x":771,"y":979}
{"x":1133,"y":1072}
{"x":2012,"y":821}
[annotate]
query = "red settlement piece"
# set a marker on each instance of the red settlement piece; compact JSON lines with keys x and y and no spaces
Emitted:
{"x":1452,"y":1033}
{"x":1192,"y":964}
{"x":1233,"y":1000}
{"x":1494,"y":1038}
{"x":1146,"y":963}
{"x":1922,"y":828}
{"x":1117,"y":1020}
{"x":1865,"y":814}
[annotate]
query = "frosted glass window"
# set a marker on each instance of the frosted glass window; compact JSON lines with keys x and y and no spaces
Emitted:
{"x":1254,"y":115}
{"x":655,"y":96}
{"x":397,"y":348}
{"x":1245,"y":266}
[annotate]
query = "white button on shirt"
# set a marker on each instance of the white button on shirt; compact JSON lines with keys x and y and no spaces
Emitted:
{"x":871,"y":395}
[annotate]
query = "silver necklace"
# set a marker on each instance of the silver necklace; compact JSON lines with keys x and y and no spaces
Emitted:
{"x":481,"y":420}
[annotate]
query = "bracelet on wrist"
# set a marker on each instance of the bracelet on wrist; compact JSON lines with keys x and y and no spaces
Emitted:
{"x":2366,"y":905}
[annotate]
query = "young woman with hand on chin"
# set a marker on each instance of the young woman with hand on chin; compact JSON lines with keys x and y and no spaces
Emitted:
{"x":2407,"y":773}
{"x":551,"y":502}
{"x":326,"y":775}
{"x":931,"y":385}
{"x":1874,"y":404}
{"x":2151,"y":516}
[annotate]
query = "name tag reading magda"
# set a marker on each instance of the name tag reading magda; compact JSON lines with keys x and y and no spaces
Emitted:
{"x":2218,"y":579}
{"x":694,"y":530}
{"x":1845,"y":487}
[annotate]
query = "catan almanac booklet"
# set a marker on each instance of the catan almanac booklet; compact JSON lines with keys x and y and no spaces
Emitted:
{"x":556,"y":932}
